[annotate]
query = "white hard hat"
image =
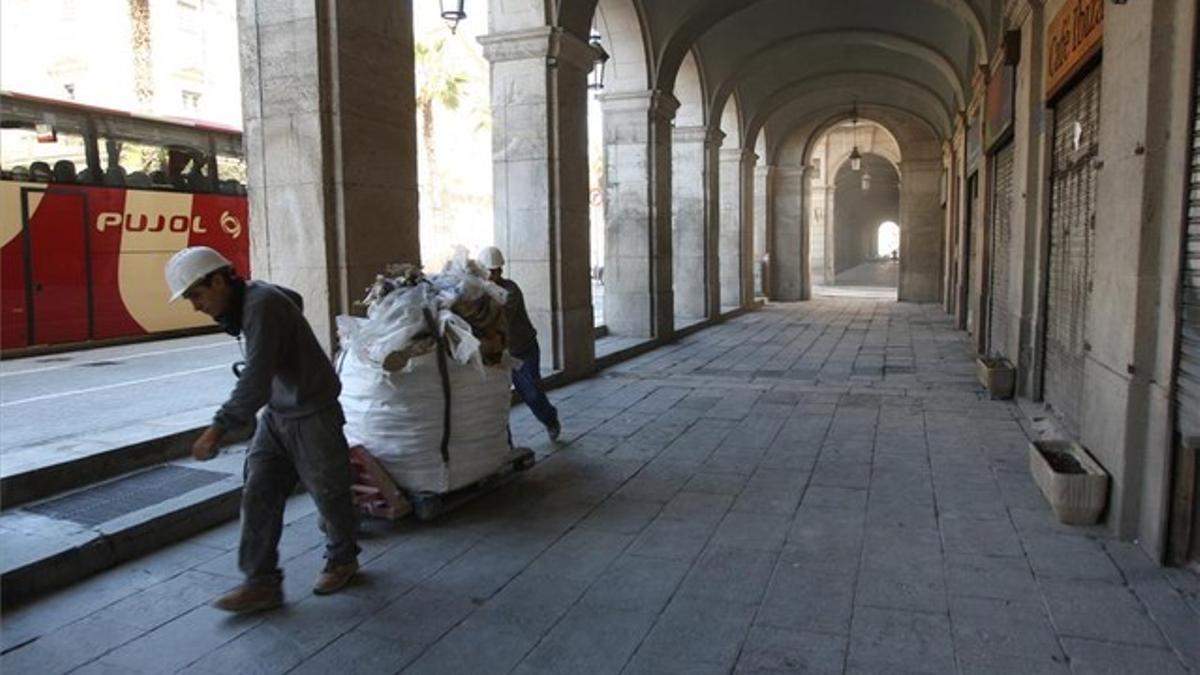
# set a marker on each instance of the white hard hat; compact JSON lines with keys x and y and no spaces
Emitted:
{"x":491,"y":258}
{"x":190,"y":265}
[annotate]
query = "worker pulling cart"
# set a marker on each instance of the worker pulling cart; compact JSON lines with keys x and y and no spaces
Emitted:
{"x":425,"y":389}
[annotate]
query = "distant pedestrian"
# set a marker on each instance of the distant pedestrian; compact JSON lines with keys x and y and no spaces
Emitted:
{"x":523,"y":345}
{"x":299,"y":435}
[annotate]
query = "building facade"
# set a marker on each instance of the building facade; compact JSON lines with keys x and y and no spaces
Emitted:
{"x":167,"y":58}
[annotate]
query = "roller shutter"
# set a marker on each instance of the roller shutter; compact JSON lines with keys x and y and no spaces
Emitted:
{"x":1002,"y":203}
{"x":1187,"y":390}
{"x":1184,"y":544}
{"x":1072,"y":245}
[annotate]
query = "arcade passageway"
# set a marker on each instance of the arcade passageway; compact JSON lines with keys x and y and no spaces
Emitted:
{"x":818,"y":486}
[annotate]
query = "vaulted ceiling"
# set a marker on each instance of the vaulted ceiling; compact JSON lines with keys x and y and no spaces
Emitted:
{"x":788,"y":62}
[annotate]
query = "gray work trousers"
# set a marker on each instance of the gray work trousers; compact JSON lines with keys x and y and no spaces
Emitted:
{"x":313,"y":451}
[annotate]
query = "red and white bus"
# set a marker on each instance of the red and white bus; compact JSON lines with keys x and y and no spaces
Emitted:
{"x":92,"y":204}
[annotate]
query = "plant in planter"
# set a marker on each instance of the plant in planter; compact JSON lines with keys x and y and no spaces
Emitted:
{"x":1071,"y":480}
{"x":997,"y":374}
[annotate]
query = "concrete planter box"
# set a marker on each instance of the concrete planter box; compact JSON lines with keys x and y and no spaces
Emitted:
{"x":1077,"y":494}
{"x":998,"y":375}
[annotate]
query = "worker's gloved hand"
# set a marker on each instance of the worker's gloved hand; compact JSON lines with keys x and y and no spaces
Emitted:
{"x":205,"y":447}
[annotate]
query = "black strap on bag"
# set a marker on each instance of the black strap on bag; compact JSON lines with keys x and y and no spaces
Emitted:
{"x":443,"y":371}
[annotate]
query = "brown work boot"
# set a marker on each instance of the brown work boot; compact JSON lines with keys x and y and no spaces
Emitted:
{"x":249,"y":598}
{"x":334,"y":577}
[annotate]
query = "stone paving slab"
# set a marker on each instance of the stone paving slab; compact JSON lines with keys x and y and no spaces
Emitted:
{"x":705,"y":512}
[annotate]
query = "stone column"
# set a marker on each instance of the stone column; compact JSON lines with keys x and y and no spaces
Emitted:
{"x":949,"y":222}
{"x":828,"y":224}
{"x":330,"y":139}
{"x":539,"y":159}
{"x":920,"y":230}
{"x":749,"y":260}
{"x":762,"y":226}
{"x":962,"y":251}
{"x":789,"y":262}
{"x":688,"y":222}
{"x":638,"y":299}
{"x":712,"y":220}
{"x":731,"y":228}
{"x":817,"y":213}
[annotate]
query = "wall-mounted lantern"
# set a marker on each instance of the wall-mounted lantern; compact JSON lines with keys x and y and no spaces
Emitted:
{"x":599,"y":59}
{"x":453,"y":11}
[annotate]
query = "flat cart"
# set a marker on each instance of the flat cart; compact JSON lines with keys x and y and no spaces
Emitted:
{"x":376,"y":494}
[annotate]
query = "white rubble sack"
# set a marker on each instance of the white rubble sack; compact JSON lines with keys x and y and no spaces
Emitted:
{"x":398,"y":417}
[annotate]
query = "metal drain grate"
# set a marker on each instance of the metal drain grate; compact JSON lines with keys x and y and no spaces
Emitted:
{"x":120,"y":497}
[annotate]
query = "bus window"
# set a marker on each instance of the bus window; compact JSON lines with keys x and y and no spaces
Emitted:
{"x":42,"y":153}
{"x":152,"y":166}
{"x":231,"y":174}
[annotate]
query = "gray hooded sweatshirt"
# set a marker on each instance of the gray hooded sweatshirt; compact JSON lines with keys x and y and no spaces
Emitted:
{"x":286,"y":368}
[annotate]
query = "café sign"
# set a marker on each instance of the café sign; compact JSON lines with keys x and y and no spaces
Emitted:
{"x":1075,"y":36}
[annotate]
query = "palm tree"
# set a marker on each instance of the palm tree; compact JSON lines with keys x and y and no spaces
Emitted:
{"x":143,"y":73}
{"x":438,"y":82}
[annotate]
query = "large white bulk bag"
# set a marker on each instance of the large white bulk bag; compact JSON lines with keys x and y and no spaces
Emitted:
{"x":398,"y":417}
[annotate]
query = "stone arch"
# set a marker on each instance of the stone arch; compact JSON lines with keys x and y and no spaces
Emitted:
{"x":797,"y":127}
{"x":730,"y":237}
{"x":889,"y":152}
{"x":825,"y":156}
{"x":759,"y":217}
{"x":631,"y":112}
{"x":687,"y":196}
{"x":690,"y":92}
{"x":622,"y":28}
{"x":854,"y":213}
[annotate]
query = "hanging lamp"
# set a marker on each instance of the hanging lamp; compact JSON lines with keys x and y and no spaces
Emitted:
{"x":453,"y":11}
{"x":855,"y":155}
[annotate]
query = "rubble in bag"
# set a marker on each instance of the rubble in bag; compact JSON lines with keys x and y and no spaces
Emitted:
{"x":486,"y":318}
{"x":466,"y":307}
{"x":395,"y":275}
{"x":478,"y":301}
{"x":400,"y":418}
{"x":400,"y":358}
{"x":426,"y":376}
{"x":395,"y":321}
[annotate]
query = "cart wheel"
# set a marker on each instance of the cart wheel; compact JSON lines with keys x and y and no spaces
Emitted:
{"x":426,"y":505}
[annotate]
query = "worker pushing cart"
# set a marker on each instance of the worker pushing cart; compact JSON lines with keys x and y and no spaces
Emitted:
{"x":523,"y":345}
